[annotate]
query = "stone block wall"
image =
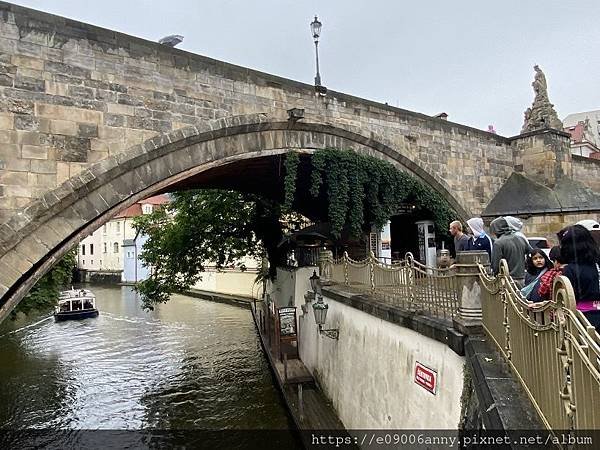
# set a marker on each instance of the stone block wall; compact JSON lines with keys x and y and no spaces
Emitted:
{"x":548,"y":225}
{"x":72,"y":94}
{"x":587,"y":171}
{"x":544,"y":157}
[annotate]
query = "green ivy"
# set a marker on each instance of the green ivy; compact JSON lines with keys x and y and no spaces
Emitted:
{"x":292,"y":160}
{"x":361,"y":190}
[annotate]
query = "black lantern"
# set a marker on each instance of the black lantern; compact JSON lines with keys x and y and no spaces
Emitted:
{"x":315,"y":28}
{"x":320,"y":309}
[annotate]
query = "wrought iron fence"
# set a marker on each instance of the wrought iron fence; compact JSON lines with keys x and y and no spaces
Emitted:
{"x":551,"y":347}
{"x":406,"y":284}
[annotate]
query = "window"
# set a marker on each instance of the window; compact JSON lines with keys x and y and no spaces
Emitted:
{"x":83,"y":262}
{"x":83,"y":249}
{"x":118,"y":225}
{"x":116,"y":247}
{"x":91,"y":249}
{"x":92,"y":262}
{"x":105,"y":248}
{"x":104,"y":228}
{"x":146,"y":209}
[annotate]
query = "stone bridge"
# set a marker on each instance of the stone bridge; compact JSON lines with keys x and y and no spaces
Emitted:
{"x":92,"y":120}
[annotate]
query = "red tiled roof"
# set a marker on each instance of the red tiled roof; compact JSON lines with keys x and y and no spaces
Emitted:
{"x":156,"y":200}
{"x":133,"y":211}
{"x":136,"y":209}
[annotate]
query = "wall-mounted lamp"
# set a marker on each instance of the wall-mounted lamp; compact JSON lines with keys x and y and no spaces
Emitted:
{"x":320,"y":308}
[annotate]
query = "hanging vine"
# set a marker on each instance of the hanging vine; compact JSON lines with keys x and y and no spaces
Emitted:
{"x":292,"y":159}
{"x":361,"y":190}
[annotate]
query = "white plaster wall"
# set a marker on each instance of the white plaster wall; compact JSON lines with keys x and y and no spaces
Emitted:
{"x":232,"y":282}
{"x":291,"y":285}
{"x":369,"y":373}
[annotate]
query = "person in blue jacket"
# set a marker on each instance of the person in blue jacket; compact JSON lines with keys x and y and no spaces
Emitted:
{"x":480,"y":240}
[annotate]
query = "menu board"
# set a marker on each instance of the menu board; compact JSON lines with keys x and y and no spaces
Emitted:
{"x":287,"y":321}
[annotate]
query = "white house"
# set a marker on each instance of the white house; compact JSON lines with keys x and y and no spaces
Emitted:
{"x":102,"y":250}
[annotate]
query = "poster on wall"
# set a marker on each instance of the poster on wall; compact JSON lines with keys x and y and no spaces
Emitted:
{"x":287,"y":321}
{"x":426,"y":377}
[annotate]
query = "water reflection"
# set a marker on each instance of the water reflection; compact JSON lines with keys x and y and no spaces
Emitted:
{"x":190,"y":364}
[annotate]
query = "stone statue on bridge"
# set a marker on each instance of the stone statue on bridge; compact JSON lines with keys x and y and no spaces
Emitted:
{"x":541,"y":114}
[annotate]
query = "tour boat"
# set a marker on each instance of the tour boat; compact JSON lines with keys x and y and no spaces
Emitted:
{"x":76,"y":304}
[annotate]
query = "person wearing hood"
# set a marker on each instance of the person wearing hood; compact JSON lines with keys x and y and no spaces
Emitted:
{"x":510,"y":247}
{"x":516,"y":225}
{"x":480,"y":241}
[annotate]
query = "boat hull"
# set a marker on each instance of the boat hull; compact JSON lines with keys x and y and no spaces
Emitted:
{"x":75,"y":315}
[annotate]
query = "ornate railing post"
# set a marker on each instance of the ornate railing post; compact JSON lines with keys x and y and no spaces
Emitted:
{"x":346,"y":281}
{"x":468,"y":286}
{"x":372,"y":261}
{"x":325,"y":262}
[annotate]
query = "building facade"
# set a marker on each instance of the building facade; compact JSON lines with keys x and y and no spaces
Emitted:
{"x":103,"y":251}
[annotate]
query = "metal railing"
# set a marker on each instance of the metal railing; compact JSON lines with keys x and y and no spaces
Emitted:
{"x":406,"y":284}
{"x":551,"y":348}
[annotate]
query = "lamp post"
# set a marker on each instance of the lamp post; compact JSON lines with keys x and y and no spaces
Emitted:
{"x":314,"y":283}
{"x":315,"y":28}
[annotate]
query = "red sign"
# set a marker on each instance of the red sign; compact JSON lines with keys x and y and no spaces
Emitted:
{"x":426,"y":377}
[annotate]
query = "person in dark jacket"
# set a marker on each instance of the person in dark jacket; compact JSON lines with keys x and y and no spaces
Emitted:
{"x":510,"y":247}
{"x":581,"y":254}
{"x":480,"y":240}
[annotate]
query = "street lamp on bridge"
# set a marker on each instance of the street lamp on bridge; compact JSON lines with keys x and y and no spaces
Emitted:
{"x":315,"y":28}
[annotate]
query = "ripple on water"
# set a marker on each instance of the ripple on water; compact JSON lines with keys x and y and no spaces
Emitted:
{"x":188,"y":364}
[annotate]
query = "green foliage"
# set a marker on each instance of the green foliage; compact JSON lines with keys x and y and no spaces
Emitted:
{"x":292,"y":159}
{"x":44,"y":294}
{"x":198,"y":227}
{"x":361,"y":190}
{"x":221,"y":227}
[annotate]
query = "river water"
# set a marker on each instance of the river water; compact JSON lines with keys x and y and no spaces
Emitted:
{"x":190,"y":364}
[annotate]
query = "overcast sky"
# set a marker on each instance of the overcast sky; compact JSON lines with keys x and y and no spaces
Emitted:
{"x":472,"y":59}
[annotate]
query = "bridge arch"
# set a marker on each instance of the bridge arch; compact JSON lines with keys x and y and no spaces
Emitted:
{"x":34,"y":239}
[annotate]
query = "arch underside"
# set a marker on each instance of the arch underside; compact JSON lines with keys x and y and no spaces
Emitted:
{"x":35,"y":239}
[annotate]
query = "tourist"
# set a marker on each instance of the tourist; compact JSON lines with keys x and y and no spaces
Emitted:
{"x":544,"y":290}
{"x":580,"y":252}
{"x":516,"y":225}
{"x":461,"y":240}
{"x":593,"y":227}
{"x":537,"y":264}
{"x":510,"y":247}
{"x":480,"y":241}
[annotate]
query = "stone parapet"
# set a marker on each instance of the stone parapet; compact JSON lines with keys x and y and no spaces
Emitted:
{"x":469,"y":318}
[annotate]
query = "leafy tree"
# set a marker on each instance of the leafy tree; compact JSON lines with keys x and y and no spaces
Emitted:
{"x":44,"y":294}
{"x":196,"y":228}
